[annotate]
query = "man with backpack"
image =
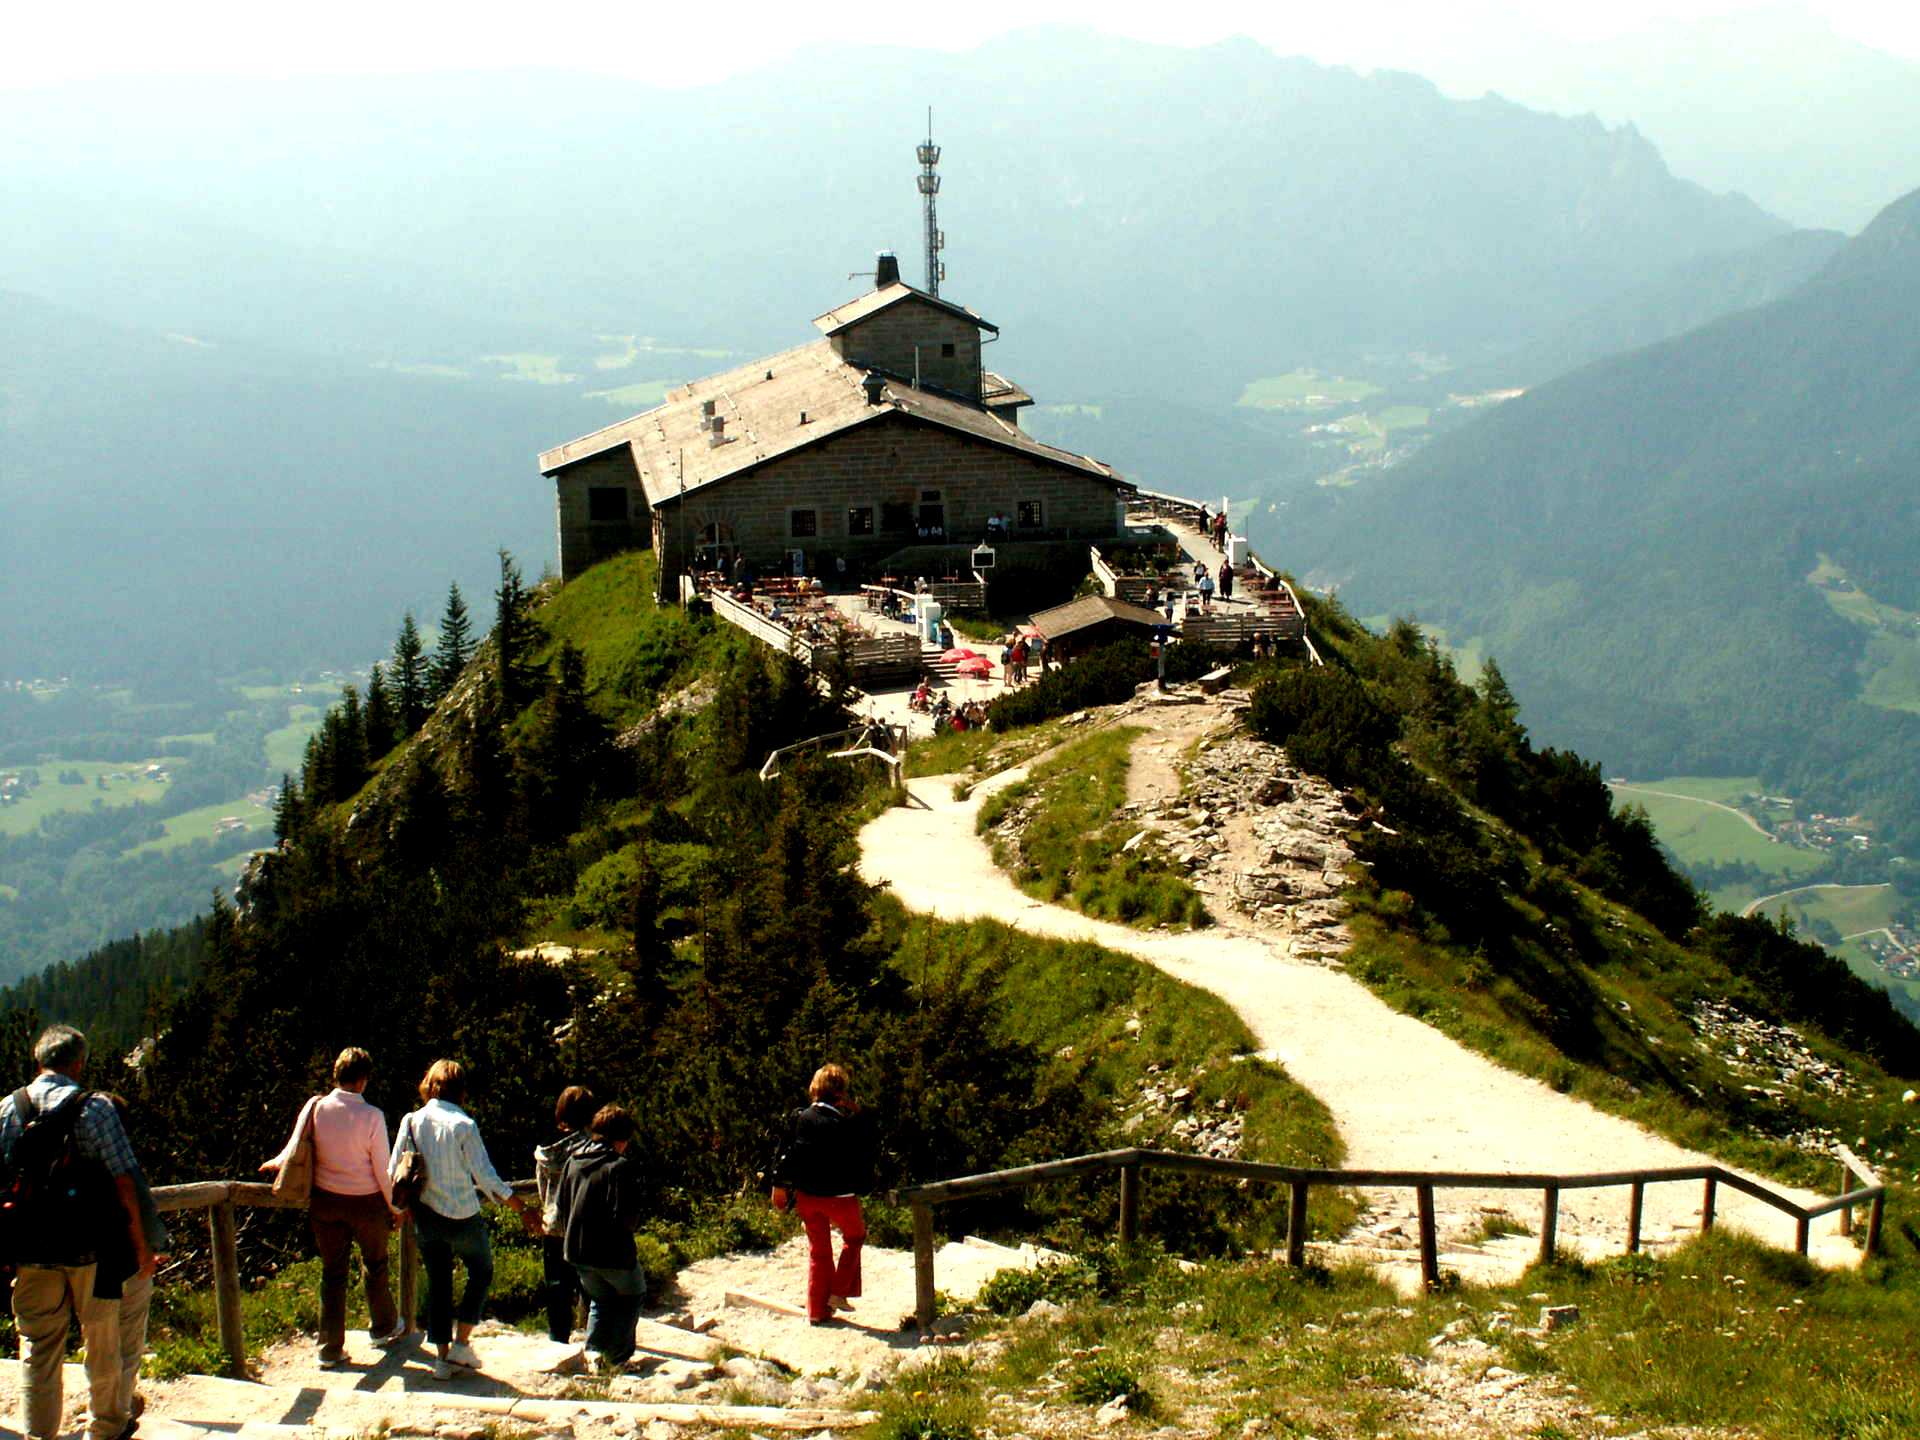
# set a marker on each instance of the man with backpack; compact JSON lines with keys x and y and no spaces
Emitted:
{"x":66,"y":1183}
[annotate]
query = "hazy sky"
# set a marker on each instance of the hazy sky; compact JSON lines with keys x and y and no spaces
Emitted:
{"x":669,"y":44}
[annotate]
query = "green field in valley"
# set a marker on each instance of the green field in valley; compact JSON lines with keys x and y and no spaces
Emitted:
{"x":109,"y":783}
{"x":204,"y":823}
{"x":1691,"y":815}
{"x":1305,"y":390}
{"x":1855,"y":911}
{"x":287,"y":746}
{"x":641,"y":395}
{"x":1890,"y":670}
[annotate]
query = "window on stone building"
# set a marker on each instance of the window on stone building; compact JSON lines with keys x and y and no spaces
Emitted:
{"x":805,"y":524}
{"x":607,"y":503}
{"x":896,"y":517}
{"x":946,"y":350}
{"x":1028,"y":515}
{"x":860,"y":520}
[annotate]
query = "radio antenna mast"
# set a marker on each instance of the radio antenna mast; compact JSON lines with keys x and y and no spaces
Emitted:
{"x":929,"y":189}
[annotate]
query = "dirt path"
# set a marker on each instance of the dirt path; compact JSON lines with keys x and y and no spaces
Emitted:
{"x":1403,"y":1095}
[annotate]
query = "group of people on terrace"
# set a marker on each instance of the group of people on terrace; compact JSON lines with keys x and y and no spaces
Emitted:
{"x":84,"y":1235}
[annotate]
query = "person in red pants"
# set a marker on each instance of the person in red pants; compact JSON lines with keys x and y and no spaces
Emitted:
{"x":825,"y":1164}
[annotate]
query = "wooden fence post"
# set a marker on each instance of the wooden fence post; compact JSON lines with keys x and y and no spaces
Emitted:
{"x":1706,"y":1204}
{"x":1129,"y":1203}
{"x":1874,"y":1217}
{"x":1549,"y":1223}
{"x":1429,"y":1245}
{"x":923,"y":1266}
{"x":1636,"y":1205}
{"x":1297,"y":1225}
{"x":1846,"y":1213}
{"x":409,"y":1272}
{"x":226,"y":1286}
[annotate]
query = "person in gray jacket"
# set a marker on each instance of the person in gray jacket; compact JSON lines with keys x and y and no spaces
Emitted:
{"x":573,"y":1115}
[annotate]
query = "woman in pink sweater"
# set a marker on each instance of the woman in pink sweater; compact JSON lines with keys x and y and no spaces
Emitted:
{"x":351,"y":1203}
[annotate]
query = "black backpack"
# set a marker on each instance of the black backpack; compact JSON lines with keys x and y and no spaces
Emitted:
{"x":51,"y":1197}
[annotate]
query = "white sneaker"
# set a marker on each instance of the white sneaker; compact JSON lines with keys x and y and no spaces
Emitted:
{"x":463,"y":1355}
{"x":443,"y":1371}
{"x":392,"y":1337}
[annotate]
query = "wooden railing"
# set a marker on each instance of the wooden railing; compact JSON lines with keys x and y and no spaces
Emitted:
{"x":869,"y":657}
{"x":222,"y":1200}
{"x":920,"y":1199}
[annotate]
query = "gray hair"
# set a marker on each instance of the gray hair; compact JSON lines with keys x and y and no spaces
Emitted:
{"x":60,"y":1047}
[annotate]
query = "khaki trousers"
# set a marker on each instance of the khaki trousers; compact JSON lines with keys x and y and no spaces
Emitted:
{"x":46,"y":1298}
{"x":136,"y":1298}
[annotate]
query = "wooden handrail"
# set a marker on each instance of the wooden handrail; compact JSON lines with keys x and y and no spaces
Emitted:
{"x":920,"y":1199}
{"x":221,"y":1199}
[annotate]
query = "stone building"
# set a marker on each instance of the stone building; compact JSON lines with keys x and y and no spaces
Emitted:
{"x":885,"y":444}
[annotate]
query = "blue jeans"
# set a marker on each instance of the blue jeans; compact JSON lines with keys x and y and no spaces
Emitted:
{"x":441,"y":1241}
{"x":614,"y":1298}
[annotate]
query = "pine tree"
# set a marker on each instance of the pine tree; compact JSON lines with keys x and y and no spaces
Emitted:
{"x":513,"y":639}
{"x":410,"y":678}
{"x":287,"y":810}
{"x":378,"y":716}
{"x":566,"y":747}
{"x":450,"y":656}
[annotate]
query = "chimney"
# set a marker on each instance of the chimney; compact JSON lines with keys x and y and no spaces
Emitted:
{"x":886,"y":270}
{"x":706,"y":414}
{"x":873,"y":385}
{"x":719,"y":433}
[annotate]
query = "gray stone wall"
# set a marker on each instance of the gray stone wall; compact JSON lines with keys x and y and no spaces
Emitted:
{"x":886,"y":341}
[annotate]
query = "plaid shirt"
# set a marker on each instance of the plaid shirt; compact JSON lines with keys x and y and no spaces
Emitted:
{"x":97,"y":1134}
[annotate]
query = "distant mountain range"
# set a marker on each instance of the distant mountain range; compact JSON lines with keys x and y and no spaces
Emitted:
{"x":1816,"y":127}
{"x":1700,"y":556}
{"x":280,"y":352}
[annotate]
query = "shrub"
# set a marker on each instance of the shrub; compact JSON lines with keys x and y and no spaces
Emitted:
{"x":1012,"y":1292}
{"x":1102,"y":1378}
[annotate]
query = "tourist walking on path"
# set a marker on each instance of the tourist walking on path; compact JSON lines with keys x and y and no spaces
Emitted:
{"x":1220,"y":531}
{"x":118,"y":1281}
{"x":573,"y":1115}
{"x":1206,"y":591}
{"x":62,"y":1142}
{"x":339,"y":1145}
{"x":1226,"y":581}
{"x":826,"y":1162}
{"x":447,"y":1211}
{"x":599,"y":1206}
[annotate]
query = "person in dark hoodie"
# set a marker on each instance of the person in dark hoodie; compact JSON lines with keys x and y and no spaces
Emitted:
{"x":573,"y":1115}
{"x":598,"y":1207}
{"x":825,"y":1164}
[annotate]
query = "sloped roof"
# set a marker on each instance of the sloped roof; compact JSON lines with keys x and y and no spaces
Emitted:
{"x":1001,"y":393}
{"x":1088,"y":611}
{"x":874,"y":301}
{"x":763,"y":405}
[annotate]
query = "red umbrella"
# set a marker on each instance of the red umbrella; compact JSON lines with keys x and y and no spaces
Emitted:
{"x":960,"y":652}
{"x":978,"y":665}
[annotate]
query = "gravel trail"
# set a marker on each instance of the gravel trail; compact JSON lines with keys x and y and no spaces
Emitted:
{"x":1404,"y":1095}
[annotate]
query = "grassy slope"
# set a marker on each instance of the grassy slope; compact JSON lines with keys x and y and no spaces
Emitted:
{"x":1722,"y":1333}
{"x":1069,"y":851}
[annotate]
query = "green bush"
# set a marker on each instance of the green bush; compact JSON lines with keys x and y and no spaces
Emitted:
{"x":1012,"y":1292}
{"x":1101,"y":1378}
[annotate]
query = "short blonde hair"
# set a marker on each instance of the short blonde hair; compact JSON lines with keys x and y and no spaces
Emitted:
{"x":831,"y":1083}
{"x":351,"y":1066}
{"x":444,"y":1080}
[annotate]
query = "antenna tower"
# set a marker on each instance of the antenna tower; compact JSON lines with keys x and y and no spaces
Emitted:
{"x":929,"y":189}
